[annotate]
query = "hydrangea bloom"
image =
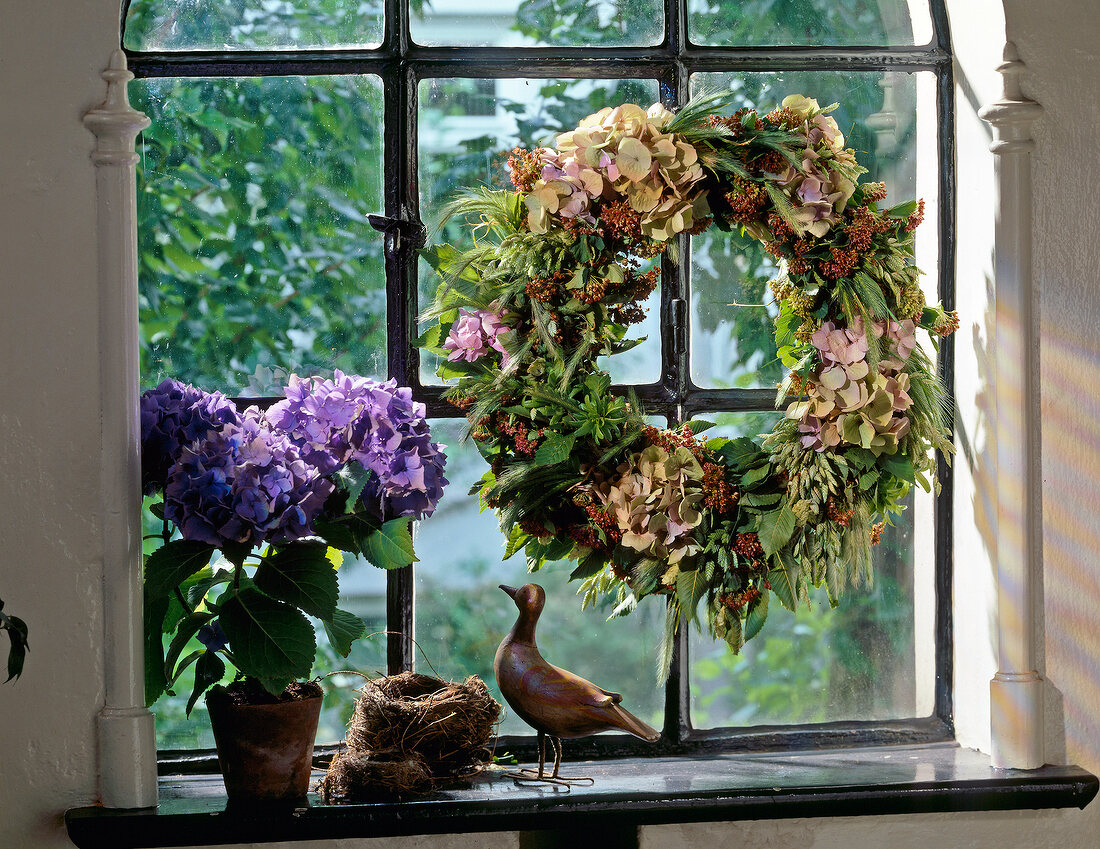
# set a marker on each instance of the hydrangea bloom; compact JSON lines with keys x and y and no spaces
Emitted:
{"x":847,"y":401}
{"x":474,"y":334}
{"x":621,"y":152}
{"x":822,"y":187}
{"x":902,"y":336}
{"x":175,"y":415}
{"x":245,"y":483}
{"x":844,"y":346}
{"x":376,"y":424}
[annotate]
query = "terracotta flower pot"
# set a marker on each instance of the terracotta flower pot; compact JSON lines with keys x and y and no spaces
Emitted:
{"x":265,"y":751}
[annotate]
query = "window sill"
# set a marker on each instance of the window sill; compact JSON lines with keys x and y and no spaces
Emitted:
{"x":627,"y":793}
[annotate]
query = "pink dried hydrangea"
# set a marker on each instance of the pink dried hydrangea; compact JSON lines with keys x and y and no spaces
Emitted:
{"x":844,"y":346}
{"x":850,"y":403}
{"x":474,"y":335}
{"x":902,"y":336}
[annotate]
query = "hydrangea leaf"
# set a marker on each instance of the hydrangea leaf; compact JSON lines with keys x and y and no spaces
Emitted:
{"x":182,"y":667}
{"x":590,"y":565}
{"x":517,"y":539}
{"x":353,"y":477}
{"x":776,"y":528}
{"x":555,"y":449}
{"x":300,"y":574}
{"x":187,"y":628}
{"x":348,"y":532}
{"x":781,"y":579}
{"x":155,"y":610}
{"x":834,"y":582}
{"x":742,"y":453}
{"x":902,"y":210}
{"x":691,"y":586}
{"x":343,"y":629}
{"x":697,"y":426}
{"x":208,"y":671}
{"x":734,"y":634}
{"x":173,"y":563}
{"x":756,"y":616}
{"x":755,"y":476}
{"x":270,"y":640}
{"x":390,"y":547}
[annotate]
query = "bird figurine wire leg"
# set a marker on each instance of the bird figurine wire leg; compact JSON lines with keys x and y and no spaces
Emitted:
{"x":539,"y":775}
{"x":553,"y":701}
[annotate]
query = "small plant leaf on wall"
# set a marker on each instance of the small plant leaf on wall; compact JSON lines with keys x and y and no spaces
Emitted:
{"x":17,"y":634}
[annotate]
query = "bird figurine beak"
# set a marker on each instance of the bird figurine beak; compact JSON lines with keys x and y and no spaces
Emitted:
{"x":510,"y":590}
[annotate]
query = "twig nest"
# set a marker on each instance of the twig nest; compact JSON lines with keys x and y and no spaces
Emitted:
{"x":355,"y":777}
{"x":410,"y":731}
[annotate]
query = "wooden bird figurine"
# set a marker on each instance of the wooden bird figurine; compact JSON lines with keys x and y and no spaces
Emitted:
{"x":553,"y":701}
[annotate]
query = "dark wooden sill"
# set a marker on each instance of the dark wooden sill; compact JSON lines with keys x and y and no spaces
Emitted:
{"x":627,"y":793}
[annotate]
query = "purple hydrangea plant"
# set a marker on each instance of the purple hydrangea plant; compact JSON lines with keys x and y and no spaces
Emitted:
{"x":260,"y":488}
{"x":175,"y":415}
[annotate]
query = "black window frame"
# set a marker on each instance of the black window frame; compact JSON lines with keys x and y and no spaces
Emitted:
{"x":401,"y":65}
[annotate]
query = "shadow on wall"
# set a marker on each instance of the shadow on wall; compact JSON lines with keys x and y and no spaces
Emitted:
{"x":982,"y":462}
{"x":1071,"y":542}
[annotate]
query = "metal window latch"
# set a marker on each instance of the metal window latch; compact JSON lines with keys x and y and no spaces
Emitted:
{"x":400,"y":231}
{"x":678,"y":318}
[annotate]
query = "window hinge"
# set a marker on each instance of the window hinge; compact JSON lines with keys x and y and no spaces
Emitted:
{"x":402,"y":232}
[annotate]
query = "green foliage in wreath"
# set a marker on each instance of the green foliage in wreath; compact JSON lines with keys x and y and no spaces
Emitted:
{"x":555,"y":279}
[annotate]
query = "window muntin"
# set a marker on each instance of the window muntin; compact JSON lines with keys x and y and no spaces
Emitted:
{"x":188,"y":25}
{"x":809,"y":23}
{"x":538,"y":23}
{"x":256,"y":255}
{"x":673,"y":64}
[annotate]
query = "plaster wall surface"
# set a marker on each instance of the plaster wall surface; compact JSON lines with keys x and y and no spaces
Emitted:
{"x":50,"y":57}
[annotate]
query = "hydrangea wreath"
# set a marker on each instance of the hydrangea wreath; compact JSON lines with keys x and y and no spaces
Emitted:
{"x":556,"y":276}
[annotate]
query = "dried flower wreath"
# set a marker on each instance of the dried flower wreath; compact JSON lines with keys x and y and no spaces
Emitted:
{"x":557,"y":275}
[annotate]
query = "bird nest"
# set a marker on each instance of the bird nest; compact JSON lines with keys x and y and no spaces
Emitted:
{"x":409,"y":733}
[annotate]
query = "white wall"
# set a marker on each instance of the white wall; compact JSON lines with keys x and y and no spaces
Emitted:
{"x":50,"y":56}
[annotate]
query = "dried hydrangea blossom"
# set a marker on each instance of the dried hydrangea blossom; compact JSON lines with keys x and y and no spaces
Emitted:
{"x":656,"y":502}
{"x":474,"y":334}
{"x":848,"y":402}
{"x":621,"y":153}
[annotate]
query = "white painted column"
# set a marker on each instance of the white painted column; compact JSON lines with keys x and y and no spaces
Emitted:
{"x":127,"y":747}
{"x":1016,"y":708}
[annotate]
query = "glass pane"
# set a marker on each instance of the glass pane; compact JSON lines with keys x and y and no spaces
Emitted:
{"x":858,"y":661}
{"x":467,"y":128}
{"x":532,"y":23}
{"x":255,"y":254}
{"x":160,"y":25}
{"x":461,"y":615}
{"x":809,"y":22}
{"x":890,"y":120}
{"x":870,"y":658}
{"x":736,"y":425}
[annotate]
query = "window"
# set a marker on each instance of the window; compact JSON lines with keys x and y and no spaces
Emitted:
{"x":296,"y":154}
